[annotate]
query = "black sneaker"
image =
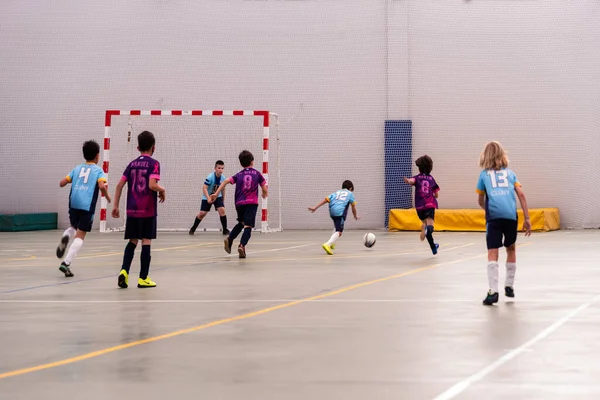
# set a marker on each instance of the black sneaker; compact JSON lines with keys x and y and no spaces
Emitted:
{"x":490,"y":299}
{"x":64,"y":268}
{"x":60,"y":250}
{"x":192,"y":230}
{"x":226,"y":231}
{"x":509,"y":292}
{"x":242,"y":251}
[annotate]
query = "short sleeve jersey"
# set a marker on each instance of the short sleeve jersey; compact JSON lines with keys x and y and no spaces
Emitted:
{"x":213,"y":182}
{"x":84,"y":180}
{"x":425,"y":189}
{"x":141,"y":200}
{"x":246,"y":183}
{"x":498,"y":186}
{"x":339,"y":202}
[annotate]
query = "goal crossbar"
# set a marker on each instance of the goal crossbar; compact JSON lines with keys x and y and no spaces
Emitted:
{"x":264,"y":114}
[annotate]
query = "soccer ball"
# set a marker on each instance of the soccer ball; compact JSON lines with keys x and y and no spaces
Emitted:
{"x":369,"y":239}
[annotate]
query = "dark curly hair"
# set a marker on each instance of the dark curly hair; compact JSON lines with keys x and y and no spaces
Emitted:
{"x":425,"y":164}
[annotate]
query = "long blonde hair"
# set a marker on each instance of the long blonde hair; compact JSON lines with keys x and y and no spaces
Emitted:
{"x":493,"y":156}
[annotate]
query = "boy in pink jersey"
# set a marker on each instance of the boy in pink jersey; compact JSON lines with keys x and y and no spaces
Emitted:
{"x":141,"y":176}
{"x":426,"y":193}
{"x":246,"y":184}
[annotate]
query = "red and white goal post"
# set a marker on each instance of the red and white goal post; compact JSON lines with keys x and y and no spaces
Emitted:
{"x":188,"y":143}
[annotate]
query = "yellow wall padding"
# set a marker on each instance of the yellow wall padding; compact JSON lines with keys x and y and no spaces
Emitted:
{"x":542,"y":219}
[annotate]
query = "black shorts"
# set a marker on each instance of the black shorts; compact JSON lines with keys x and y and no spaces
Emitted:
{"x":246,"y":214}
{"x":218,"y":203}
{"x":496,"y":229}
{"x":140,"y":228}
{"x":426,"y":213}
{"x":339,"y":222}
{"x":81,"y":219}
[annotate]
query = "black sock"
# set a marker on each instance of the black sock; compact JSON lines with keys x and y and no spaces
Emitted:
{"x":196,"y":223}
{"x":128,"y":256}
{"x":235,"y":232}
{"x":246,"y":236}
{"x":145,"y":260}
{"x":224,"y":222}
{"x":429,"y":236}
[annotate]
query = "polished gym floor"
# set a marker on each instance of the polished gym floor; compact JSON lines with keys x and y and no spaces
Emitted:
{"x":290,"y":322}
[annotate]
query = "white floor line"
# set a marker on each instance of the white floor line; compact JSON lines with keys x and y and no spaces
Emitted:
{"x":465,"y":383}
{"x":421,"y":301}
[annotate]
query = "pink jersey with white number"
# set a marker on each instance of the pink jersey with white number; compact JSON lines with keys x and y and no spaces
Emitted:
{"x":141,"y":200}
{"x":246,"y":183}
{"x":425,"y":189}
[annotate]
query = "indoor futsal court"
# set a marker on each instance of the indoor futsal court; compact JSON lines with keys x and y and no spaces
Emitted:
{"x":291,"y":322}
{"x":300,"y":200}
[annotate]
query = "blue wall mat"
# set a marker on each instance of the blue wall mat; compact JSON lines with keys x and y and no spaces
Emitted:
{"x":398,"y":163}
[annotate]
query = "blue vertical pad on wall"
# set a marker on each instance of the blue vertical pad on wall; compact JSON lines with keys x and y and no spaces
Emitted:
{"x":398,"y":163}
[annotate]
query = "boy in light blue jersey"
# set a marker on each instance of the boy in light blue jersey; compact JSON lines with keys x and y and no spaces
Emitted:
{"x":86,"y":181}
{"x":498,"y":189}
{"x":211,"y":184}
{"x":338,"y":211}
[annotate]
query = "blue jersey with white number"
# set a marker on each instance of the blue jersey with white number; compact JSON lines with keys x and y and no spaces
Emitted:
{"x":339,"y":202}
{"x":84,"y":180}
{"x":498,"y":186}
{"x":213,"y":182}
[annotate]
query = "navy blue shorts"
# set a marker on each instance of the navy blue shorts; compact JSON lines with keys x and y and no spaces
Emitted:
{"x":497,"y":229}
{"x":246,"y":214}
{"x":339,"y":222}
{"x":81,"y":219}
{"x":140,"y":228}
{"x":426,"y":213}
{"x":218,"y":203}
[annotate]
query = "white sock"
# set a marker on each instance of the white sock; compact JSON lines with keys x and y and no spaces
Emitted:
{"x":70,"y":232}
{"x":511,"y":269}
{"x":492,"y":269}
{"x":333,"y":238}
{"x":73,"y":250}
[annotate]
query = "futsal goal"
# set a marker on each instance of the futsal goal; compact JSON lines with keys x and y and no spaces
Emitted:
{"x":188,"y":143}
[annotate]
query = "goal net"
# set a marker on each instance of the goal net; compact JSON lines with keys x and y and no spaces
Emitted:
{"x":188,"y":143}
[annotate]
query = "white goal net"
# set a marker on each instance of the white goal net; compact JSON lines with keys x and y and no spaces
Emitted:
{"x":188,"y":143}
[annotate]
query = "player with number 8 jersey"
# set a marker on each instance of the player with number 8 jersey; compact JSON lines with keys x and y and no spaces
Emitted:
{"x":246,"y":182}
{"x":426,"y":194}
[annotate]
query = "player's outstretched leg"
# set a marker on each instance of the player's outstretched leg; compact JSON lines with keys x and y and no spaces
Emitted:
{"x":329,"y":245}
{"x":64,"y":241}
